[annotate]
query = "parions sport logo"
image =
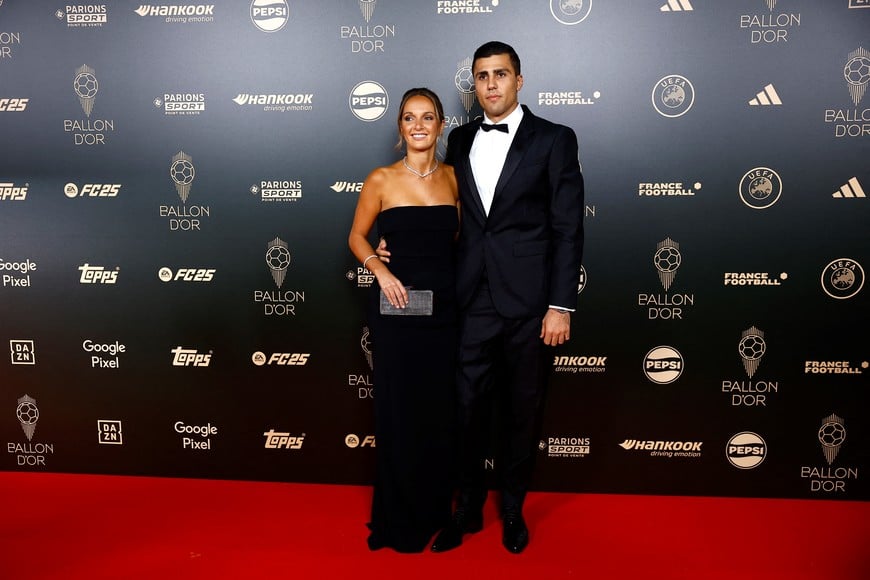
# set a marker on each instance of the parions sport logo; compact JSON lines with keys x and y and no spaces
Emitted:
{"x":175,"y":104}
{"x":270,"y":15}
{"x":565,"y":447}
{"x":83,"y":15}
{"x":368,"y":101}
{"x":283,"y":190}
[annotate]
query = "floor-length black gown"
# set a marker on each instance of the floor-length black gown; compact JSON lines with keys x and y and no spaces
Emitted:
{"x":414,"y":360}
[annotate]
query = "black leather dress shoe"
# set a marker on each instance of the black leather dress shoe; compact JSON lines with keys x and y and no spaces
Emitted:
{"x":515,"y":535}
{"x":462,"y":523}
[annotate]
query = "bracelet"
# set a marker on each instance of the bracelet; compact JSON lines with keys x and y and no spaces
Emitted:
{"x":366,"y":261}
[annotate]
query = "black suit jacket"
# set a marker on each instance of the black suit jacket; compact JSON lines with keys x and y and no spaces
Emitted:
{"x":531,"y":244}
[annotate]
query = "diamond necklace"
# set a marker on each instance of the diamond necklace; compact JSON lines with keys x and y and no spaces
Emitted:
{"x":417,"y":173}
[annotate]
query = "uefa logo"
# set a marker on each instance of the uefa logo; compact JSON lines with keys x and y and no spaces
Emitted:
{"x":842,"y":278}
{"x":760,"y":188}
{"x":368,"y":101}
{"x":269,"y":15}
{"x":570,"y":12}
{"x":673,"y":96}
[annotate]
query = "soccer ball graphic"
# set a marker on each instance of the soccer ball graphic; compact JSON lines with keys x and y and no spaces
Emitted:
{"x":857,"y":70}
{"x":832,"y":434}
{"x":464,"y":80}
{"x":278,"y":258}
{"x":182,"y":172}
{"x":752,"y":347}
{"x":86,"y":85}
{"x":27,"y":413}
{"x":667,"y":259}
{"x":673,"y":96}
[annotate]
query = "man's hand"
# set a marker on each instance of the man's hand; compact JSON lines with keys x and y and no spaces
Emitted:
{"x":556,"y":327}
{"x":382,"y":252}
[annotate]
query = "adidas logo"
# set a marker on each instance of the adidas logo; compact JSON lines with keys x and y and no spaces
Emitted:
{"x":850,"y":190}
{"x":766,"y":96}
{"x":676,"y":6}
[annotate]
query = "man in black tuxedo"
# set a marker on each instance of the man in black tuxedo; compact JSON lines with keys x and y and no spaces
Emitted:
{"x":518,"y":265}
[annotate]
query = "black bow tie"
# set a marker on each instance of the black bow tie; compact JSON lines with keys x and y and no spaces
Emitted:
{"x":499,"y":127}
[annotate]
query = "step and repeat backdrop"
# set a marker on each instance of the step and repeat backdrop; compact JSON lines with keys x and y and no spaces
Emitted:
{"x":178,"y":179}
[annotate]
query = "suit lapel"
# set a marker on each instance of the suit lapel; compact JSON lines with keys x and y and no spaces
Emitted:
{"x":519,"y":146}
{"x":467,"y":141}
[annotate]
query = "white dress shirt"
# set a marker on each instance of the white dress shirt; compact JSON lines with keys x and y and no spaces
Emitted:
{"x":488,"y":153}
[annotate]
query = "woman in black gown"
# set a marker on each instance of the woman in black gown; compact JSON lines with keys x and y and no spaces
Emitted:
{"x":415,"y":204}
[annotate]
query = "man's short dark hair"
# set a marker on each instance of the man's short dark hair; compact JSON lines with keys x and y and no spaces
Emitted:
{"x":494,"y":47}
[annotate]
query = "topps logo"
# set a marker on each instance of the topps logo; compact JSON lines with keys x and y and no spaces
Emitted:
{"x":13,"y":105}
{"x":188,"y":357}
{"x":276,"y":440}
{"x":97,"y":275}
{"x":10,"y":192}
{"x":71,"y":190}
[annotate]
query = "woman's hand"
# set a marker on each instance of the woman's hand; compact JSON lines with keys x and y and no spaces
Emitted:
{"x":392,"y":288}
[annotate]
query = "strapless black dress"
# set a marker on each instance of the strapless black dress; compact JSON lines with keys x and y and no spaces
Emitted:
{"x":414,"y":360}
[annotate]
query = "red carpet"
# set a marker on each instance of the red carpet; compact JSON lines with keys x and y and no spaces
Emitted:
{"x":82,"y":526}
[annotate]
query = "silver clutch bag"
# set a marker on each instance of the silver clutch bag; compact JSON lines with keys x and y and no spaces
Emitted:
{"x":419,"y":304}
